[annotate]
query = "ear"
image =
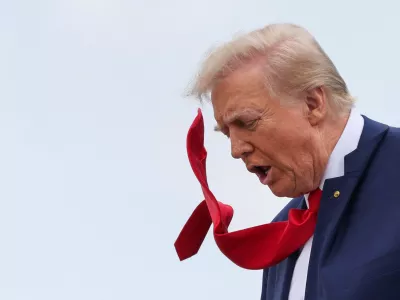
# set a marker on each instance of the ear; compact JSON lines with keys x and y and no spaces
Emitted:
{"x":316,"y":101}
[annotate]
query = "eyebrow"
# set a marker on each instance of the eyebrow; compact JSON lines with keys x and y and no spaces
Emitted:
{"x":231,"y":116}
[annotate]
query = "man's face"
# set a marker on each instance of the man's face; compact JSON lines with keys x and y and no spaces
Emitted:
{"x":276,"y":142}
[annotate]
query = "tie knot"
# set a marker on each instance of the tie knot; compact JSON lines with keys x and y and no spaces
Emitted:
{"x":314,"y":199}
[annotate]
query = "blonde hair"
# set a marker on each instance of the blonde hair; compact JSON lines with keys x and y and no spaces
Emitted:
{"x":294,"y":63}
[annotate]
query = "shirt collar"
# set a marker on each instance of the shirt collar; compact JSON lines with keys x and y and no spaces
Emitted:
{"x":347,"y":143}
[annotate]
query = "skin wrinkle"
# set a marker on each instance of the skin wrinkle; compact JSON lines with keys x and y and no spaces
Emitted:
{"x":231,"y":116}
{"x":295,"y":140}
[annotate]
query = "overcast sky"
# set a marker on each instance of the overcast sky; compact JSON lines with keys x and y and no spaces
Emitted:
{"x":94,"y":179}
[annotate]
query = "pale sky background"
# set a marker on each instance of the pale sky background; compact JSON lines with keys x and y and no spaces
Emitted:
{"x":94,"y":180}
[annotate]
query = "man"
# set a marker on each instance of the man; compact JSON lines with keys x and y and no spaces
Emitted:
{"x":290,"y":118}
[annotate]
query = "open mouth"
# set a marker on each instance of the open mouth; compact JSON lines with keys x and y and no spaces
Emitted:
{"x":260,"y":171}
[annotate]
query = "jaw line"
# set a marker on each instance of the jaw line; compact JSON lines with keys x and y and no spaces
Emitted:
{"x":295,"y":182}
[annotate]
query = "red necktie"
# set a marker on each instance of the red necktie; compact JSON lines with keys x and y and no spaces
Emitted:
{"x":253,"y":248}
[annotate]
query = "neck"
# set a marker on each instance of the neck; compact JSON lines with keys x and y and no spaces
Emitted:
{"x":329,"y":133}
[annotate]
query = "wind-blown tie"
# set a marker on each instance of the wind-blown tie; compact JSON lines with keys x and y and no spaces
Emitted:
{"x":253,"y":248}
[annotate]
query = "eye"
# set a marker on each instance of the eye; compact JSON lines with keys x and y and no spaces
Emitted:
{"x":251,"y":124}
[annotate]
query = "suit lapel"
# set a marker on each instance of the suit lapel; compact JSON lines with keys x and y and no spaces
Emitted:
{"x":356,"y":163}
{"x":337,"y":194}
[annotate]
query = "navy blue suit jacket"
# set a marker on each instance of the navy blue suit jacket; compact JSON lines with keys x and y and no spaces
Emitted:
{"x":356,"y":248}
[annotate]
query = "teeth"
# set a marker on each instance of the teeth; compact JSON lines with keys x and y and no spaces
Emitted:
{"x":261,"y":169}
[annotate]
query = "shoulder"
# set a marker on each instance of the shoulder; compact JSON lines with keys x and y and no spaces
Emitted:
{"x":390,"y":146}
{"x":393,"y":135}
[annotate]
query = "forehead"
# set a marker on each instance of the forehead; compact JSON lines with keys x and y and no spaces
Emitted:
{"x":240,"y":91}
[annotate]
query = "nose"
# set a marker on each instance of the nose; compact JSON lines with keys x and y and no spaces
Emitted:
{"x":239,"y":148}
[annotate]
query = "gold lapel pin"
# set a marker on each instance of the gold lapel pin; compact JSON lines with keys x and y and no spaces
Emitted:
{"x":336,"y":194}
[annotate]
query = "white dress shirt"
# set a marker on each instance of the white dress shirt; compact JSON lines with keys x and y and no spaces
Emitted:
{"x":347,"y":143}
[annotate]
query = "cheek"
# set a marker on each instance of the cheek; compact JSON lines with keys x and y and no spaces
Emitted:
{"x":276,"y":142}
{"x":275,"y":150}
{"x":282,"y":142}
{"x":285,"y":151}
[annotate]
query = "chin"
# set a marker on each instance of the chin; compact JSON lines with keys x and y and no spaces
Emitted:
{"x":280,"y":190}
